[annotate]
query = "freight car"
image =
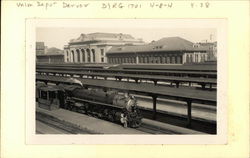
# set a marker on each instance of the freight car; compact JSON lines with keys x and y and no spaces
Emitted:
{"x":108,"y":105}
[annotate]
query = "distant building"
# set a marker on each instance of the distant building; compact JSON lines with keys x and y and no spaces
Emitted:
{"x":54,"y":50}
{"x":51,"y":55}
{"x":211,"y":50}
{"x":40,"y":48}
{"x":92,"y":48}
{"x":170,"y":50}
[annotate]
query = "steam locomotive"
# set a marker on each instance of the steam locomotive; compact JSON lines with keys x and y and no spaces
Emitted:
{"x":107,"y":105}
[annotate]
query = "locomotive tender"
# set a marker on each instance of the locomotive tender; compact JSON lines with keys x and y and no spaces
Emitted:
{"x":108,"y":105}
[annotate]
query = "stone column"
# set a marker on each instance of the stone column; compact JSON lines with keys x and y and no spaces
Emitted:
{"x":80,"y":53}
{"x":71,"y":56}
{"x":193,"y":55}
{"x":83,"y":55}
{"x":206,"y":56}
{"x":199,"y":57}
{"x":184,"y":58}
{"x":137,"y":59}
{"x":86,"y":56}
{"x":75,"y":55}
{"x":65,"y":56}
{"x":91,"y":56}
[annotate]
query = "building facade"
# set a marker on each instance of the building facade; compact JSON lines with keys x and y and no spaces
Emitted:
{"x":172,"y":50}
{"x":92,"y":48}
{"x":211,"y":50}
{"x":40,"y":48}
{"x":50,"y":55}
{"x":50,"y":58}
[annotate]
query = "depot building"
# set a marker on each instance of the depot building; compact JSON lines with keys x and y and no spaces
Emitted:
{"x":92,"y":48}
{"x":170,"y":50}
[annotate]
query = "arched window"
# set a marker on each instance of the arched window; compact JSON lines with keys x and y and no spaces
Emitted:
{"x":148,"y":59}
{"x":140,"y":59}
{"x":168,"y":60}
{"x":204,"y":57}
{"x":72,"y":55}
{"x":132,"y":60}
{"x":159,"y":59}
{"x":88,"y":55}
{"x":191,"y":58}
{"x":151,"y":58}
{"x":93,"y":54}
{"x":172,"y":60}
{"x":83,"y":55}
{"x":67,"y":56}
{"x":163,"y":59}
{"x":77,"y":55}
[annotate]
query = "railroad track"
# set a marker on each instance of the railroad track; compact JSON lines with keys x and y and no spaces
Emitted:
{"x":154,"y":130}
{"x":60,"y":125}
{"x":45,"y":127}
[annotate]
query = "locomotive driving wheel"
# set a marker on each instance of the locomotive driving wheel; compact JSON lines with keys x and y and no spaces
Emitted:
{"x":110,"y":118}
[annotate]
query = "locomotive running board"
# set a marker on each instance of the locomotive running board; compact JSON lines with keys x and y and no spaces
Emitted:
{"x":94,"y":102}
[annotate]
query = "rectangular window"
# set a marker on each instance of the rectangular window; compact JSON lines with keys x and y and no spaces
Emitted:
{"x":102,"y":52}
{"x":52,"y":95}
{"x":102,"y":59}
{"x":44,"y":95}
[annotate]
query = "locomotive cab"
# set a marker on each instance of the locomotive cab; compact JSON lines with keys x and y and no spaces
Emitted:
{"x":48,"y":98}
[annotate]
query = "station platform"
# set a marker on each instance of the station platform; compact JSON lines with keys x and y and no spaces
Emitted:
{"x":199,"y":112}
{"x":90,"y":124}
{"x":197,"y":67}
{"x":135,"y":76}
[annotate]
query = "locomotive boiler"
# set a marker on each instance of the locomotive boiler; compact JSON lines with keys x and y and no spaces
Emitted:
{"x":107,"y":105}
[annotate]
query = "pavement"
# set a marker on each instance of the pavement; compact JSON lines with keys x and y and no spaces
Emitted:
{"x":91,"y":124}
{"x":42,"y":128}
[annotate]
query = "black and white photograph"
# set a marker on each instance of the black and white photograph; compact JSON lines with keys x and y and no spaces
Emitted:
{"x":126,"y":81}
{"x":144,"y":80}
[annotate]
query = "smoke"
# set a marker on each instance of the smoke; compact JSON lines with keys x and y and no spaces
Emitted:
{"x":74,"y":80}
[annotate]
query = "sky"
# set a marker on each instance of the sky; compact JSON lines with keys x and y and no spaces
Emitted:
{"x":60,"y":36}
